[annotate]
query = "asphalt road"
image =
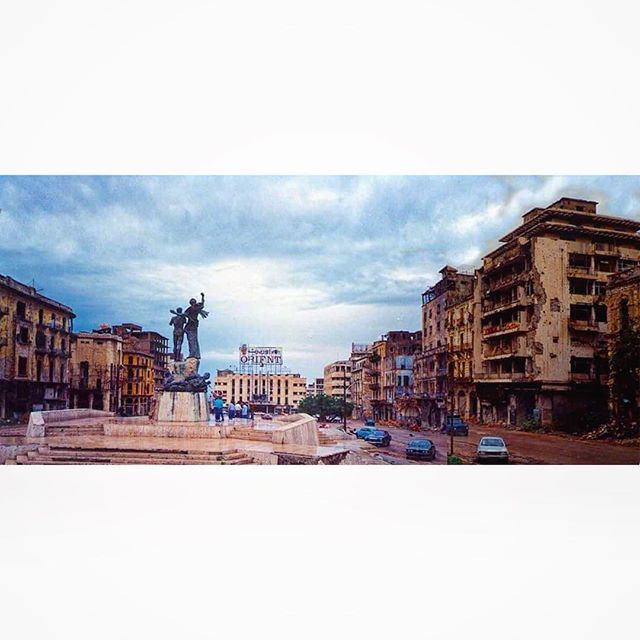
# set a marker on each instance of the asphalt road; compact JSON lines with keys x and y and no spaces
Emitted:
{"x":524,"y":448}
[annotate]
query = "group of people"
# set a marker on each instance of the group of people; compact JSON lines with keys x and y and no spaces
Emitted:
{"x":234,"y":410}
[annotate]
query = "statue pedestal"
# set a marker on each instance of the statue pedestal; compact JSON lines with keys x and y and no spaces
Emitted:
{"x":183,"y":406}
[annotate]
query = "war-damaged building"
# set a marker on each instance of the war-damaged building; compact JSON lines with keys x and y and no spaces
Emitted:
{"x":623,"y":307}
{"x":35,"y":332}
{"x":431,"y":366}
{"x":459,"y":323}
{"x":96,"y":370}
{"x":542,"y":352}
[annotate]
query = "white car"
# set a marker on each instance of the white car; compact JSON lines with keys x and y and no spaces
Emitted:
{"x":492,"y":448}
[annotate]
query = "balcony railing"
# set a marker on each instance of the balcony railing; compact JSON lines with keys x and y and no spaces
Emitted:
{"x":495,"y":375}
{"x":501,"y":329}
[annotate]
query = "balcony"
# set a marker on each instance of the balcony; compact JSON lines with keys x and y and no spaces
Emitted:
{"x":517,"y":348}
{"x":495,"y":331}
{"x":465,"y":346}
{"x":490,"y":308}
{"x":503,"y":283}
{"x":500,"y":376}
{"x":584,"y":325}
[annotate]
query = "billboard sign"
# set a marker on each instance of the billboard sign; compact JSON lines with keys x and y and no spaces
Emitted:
{"x":260,"y":355}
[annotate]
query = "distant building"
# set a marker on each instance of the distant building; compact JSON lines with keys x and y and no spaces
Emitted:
{"x":35,"y":334}
{"x":150,"y":342}
{"x":459,"y":325}
{"x":397,"y":374}
{"x":316,"y":387}
{"x":263,"y":391}
{"x":96,"y":371}
{"x":431,"y":366}
{"x":543,"y":316}
{"x":337,"y":379}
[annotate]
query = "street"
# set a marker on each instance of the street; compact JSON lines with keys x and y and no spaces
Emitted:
{"x":524,"y":447}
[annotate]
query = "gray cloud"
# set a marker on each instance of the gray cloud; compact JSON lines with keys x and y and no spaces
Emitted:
{"x":309,"y":263}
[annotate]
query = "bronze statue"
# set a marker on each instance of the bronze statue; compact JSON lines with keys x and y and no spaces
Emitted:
{"x":178,"y":321}
{"x":190,"y":317}
{"x":192,"y":312}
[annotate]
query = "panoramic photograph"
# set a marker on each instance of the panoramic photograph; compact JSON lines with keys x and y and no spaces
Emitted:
{"x":292,"y":320}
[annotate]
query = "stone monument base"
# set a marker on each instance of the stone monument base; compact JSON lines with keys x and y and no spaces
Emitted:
{"x":183,"y":406}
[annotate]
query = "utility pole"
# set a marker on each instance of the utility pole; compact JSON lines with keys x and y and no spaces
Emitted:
{"x":344,"y":399}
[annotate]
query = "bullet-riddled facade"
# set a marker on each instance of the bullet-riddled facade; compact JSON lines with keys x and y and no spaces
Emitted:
{"x":542,"y":322}
{"x":96,"y":371}
{"x":623,"y":308}
{"x":431,"y":366}
{"x":35,"y":334}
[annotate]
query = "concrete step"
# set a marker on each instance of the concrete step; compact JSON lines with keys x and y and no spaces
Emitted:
{"x":86,"y":457}
{"x":52,"y":453}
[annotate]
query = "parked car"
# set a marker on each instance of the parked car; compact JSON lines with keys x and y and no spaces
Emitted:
{"x":369,"y":422}
{"x":492,"y":448}
{"x":379,"y":437}
{"x":456,"y":425}
{"x":421,"y":449}
{"x":362,"y":432}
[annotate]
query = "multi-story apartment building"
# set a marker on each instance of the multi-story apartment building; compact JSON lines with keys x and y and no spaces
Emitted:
{"x":337,"y":379}
{"x":263,"y":391}
{"x":360,"y":396}
{"x":431,"y":366}
{"x":459,"y":323}
{"x":316,"y":387}
{"x":35,"y":333}
{"x":623,"y":312}
{"x":96,"y":370}
{"x":150,"y":342}
{"x":374,"y":371}
{"x":137,"y":386}
{"x":542,"y":320}
{"x":397,"y":372}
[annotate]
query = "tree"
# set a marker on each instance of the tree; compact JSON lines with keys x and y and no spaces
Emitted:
{"x":625,"y":373}
{"x":324,"y":406}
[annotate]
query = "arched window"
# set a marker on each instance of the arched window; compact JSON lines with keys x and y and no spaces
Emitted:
{"x":624,"y":313}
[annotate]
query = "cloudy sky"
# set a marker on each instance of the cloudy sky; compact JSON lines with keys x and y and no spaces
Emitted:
{"x":307,"y":263}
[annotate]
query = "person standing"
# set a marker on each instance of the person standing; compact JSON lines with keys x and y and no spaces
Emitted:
{"x":238,"y":409}
{"x":245,"y":411}
{"x":232,"y":410}
{"x":218,"y":403}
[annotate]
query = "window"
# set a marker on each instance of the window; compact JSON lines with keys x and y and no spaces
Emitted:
{"x":23,"y":336}
{"x":624,"y":313}
{"x":625,"y":263}
{"x":600,"y":288}
{"x":601,"y":312}
{"x":40,"y":316}
{"x":22,"y":366}
{"x":581,"y":287}
{"x":580,"y":312}
{"x":21,"y":310}
{"x":607,"y":265}
{"x":581,"y":365}
{"x":579,"y":261}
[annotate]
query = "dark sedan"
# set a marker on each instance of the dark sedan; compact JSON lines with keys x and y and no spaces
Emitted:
{"x":421,"y":449}
{"x":379,"y":437}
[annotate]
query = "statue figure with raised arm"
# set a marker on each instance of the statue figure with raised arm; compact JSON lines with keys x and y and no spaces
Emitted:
{"x":192,"y":312}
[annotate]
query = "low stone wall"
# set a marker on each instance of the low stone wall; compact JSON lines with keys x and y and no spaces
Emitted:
{"x":166,"y":429}
{"x":39,"y":419}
